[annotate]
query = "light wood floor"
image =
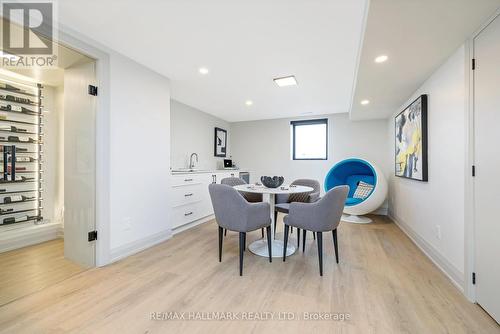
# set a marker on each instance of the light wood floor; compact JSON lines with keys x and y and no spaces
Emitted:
{"x":30,"y":269}
{"x":383,"y":281}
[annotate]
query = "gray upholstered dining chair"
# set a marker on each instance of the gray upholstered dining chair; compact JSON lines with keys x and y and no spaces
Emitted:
{"x":320,"y":216}
{"x":250,"y":197}
{"x":234,"y":213}
{"x":283,"y":200}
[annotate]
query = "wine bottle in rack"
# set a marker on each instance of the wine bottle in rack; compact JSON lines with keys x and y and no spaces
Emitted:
{"x":13,"y":199}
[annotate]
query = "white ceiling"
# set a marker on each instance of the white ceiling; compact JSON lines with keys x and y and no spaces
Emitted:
{"x":418,"y":36}
{"x":244,"y":44}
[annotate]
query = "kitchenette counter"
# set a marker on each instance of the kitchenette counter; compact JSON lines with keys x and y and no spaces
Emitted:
{"x":205,"y":171}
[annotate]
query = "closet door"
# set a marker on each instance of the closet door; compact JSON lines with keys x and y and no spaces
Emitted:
{"x":79,"y":164}
{"x":487,"y":161}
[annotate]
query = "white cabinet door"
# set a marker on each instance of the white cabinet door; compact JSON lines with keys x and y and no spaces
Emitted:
{"x":487,"y":160}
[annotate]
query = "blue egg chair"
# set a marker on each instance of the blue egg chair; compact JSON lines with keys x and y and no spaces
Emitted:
{"x":350,"y":172}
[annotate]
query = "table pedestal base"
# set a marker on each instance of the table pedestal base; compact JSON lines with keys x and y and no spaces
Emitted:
{"x":259,"y":247}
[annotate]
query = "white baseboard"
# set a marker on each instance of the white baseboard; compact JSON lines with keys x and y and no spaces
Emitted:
{"x":192,"y":224}
{"x":455,"y":275}
{"x":131,"y":248}
{"x":14,"y":237}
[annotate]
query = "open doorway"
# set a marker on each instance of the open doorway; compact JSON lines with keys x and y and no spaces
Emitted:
{"x":47,"y":173}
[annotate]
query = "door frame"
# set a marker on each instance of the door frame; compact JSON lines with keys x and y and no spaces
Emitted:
{"x":84,"y":45}
{"x":469,"y":208}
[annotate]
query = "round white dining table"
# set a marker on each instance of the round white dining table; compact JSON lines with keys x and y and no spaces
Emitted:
{"x":259,"y":247}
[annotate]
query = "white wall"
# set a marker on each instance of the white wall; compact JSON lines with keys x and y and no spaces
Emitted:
{"x":53,"y":177}
{"x":139,"y":156}
{"x":419,"y":207}
{"x":263,"y":147}
{"x":193,"y":131}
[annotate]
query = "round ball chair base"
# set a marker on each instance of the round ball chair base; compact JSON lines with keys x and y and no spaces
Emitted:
{"x":356,"y":219}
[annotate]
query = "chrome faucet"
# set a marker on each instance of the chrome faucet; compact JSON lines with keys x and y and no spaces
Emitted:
{"x":191,"y":162}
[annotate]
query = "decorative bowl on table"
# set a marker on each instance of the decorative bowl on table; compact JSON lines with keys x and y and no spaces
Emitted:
{"x":272,"y":182}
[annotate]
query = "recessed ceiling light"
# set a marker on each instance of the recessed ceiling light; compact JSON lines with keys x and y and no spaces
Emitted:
{"x":381,"y":59}
{"x":248,"y":102}
{"x":286,"y":81}
{"x":203,"y":70}
{"x":365,"y":102}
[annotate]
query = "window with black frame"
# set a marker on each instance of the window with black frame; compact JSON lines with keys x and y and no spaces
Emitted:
{"x":309,"y":139}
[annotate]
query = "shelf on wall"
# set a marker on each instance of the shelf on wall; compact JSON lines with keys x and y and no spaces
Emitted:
{"x":17,"y":181}
{"x":34,"y":104}
{"x":19,"y":122}
{"x":20,"y":202}
{"x":19,"y":211}
{"x":20,"y":132}
{"x":23,"y":171}
{"x":21,"y":113}
{"x":20,"y":142}
{"x":21,"y":162}
{"x":35,"y":218}
{"x":18,"y":91}
{"x":17,"y":192}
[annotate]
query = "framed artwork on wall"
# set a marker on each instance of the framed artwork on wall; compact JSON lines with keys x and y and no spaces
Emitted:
{"x":220,"y":142}
{"x":411,"y":141}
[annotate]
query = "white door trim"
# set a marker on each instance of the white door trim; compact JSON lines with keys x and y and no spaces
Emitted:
{"x":469,"y":234}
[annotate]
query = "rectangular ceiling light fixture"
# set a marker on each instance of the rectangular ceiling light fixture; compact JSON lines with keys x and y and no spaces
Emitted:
{"x":286,"y":81}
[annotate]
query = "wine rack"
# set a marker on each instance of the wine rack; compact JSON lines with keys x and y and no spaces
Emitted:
{"x":21,"y":152}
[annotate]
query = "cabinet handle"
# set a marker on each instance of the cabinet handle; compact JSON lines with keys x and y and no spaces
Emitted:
{"x":188,"y":214}
{"x":187,"y":195}
{"x":187,"y":180}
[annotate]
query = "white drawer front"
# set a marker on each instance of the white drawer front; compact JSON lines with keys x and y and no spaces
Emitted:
{"x":186,"y":179}
{"x":186,"y":213}
{"x":187,"y":194}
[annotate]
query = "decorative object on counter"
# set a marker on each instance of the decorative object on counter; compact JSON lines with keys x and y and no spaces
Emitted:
{"x":220,"y":142}
{"x":411,"y":141}
{"x":272,"y":182}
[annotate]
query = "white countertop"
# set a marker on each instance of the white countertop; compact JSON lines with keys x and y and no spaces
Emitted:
{"x":207,"y":171}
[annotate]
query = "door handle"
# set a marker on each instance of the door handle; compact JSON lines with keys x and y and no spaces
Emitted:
{"x":188,"y":213}
{"x":187,"y":195}
{"x":188,"y":180}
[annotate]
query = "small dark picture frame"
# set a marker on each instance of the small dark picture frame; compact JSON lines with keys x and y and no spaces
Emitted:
{"x":220,"y":142}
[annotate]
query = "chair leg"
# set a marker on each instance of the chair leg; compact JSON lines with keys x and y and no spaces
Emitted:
{"x":304,"y":241}
{"x":335,"y":245}
{"x":314,"y":235}
{"x":275,"y":222}
{"x":287,"y":228}
{"x":262,"y":232}
{"x":225,"y":232}
{"x":220,"y":243}
{"x":244,"y":242}
{"x":269,"y":248}
{"x":242,"y":247}
{"x":298,"y":238}
{"x":320,"y":252}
